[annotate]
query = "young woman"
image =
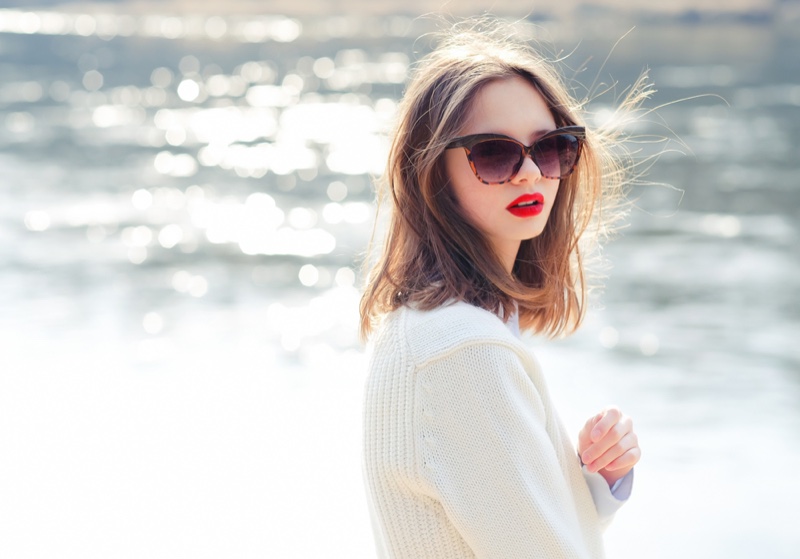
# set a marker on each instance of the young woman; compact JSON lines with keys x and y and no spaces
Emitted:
{"x":493,"y":181}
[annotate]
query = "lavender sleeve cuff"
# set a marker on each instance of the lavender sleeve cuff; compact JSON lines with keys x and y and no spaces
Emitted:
{"x":621,"y":489}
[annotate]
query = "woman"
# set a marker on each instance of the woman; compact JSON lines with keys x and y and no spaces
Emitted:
{"x":493,"y":182}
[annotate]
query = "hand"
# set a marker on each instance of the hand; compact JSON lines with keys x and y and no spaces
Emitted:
{"x":607,"y":444}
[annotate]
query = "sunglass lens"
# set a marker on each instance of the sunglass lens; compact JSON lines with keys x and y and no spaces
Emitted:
{"x":496,"y":160}
{"x":556,"y":156}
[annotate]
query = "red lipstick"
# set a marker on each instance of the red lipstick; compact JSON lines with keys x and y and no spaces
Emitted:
{"x":527,"y":205}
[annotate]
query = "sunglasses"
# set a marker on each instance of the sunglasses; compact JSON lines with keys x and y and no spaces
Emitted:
{"x":496,"y":159}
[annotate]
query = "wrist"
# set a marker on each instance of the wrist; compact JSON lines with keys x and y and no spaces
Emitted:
{"x":613,"y":476}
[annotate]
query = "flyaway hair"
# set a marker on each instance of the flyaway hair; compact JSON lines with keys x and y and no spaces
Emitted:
{"x":431,"y":254}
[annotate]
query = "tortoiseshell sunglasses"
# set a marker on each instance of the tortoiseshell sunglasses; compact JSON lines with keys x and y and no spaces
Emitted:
{"x":496,"y":159}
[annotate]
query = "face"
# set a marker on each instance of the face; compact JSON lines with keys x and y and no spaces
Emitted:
{"x":512,"y":107}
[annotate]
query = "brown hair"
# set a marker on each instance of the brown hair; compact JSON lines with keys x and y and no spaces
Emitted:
{"x":431,"y":254}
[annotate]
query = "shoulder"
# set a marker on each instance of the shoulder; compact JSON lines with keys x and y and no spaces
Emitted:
{"x":433,"y":334}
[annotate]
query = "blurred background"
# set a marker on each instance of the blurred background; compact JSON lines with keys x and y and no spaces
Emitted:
{"x":186,"y":194}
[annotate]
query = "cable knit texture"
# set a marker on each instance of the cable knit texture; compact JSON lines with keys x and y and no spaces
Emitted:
{"x":464,"y":455}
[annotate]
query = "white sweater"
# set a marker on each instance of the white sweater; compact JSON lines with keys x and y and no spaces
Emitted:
{"x":464,"y":455}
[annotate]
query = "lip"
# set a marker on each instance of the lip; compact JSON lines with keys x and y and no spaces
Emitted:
{"x":536,"y":201}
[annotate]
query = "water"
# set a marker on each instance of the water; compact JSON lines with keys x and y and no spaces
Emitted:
{"x":184,"y":203}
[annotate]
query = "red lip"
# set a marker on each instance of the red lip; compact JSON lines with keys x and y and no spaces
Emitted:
{"x":534,"y":203}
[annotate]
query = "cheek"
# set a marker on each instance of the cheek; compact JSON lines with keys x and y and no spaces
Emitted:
{"x":553,"y":188}
{"x":554,"y":197}
{"x":455,"y":163}
{"x":471,"y":196}
{"x":460,"y":184}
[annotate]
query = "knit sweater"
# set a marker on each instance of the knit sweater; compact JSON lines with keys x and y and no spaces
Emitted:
{"x":464,"y":455}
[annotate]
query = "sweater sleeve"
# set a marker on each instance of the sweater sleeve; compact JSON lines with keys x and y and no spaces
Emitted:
{"x":607,"y":500}
{"x":484,"y":448}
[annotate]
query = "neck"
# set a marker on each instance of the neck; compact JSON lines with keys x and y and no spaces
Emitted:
{"x":508,"y":256}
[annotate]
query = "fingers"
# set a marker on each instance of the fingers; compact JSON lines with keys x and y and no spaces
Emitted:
{"x":584,"y":437}
{"x":625,"y":462}
{"x":607,"y":443}
{"x":611,"y":437}
{"x":616,"y":441}
{"x":619,"y":449}
{"x":608,"y":418}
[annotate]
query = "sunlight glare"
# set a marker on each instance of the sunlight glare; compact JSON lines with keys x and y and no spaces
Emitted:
{"x":170,"y":235}
{"x":37,"y":220}
{"x":308,"y":275}
{"x":142,"y":199}
{"x":188,"y":90}
{"x":153,"y":323}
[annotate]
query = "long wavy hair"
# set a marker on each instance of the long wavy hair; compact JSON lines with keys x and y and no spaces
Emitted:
{"x":432,"y":254}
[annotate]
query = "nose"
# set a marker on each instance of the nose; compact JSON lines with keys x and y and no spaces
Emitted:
{"x":528,"y":172}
